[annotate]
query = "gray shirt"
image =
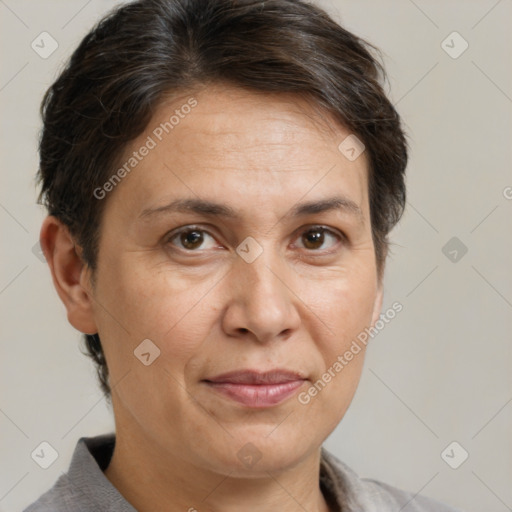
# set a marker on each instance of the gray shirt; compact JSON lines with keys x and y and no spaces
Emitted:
{"x":84,"y":488}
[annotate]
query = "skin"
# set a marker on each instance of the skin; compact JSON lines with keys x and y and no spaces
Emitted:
{"x":298,"y":306}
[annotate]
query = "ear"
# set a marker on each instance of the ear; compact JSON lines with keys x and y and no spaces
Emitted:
{"x":70,"y":275}
{"x":377,"y":305}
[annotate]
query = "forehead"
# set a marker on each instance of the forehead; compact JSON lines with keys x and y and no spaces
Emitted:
{"x":242,"y":146}
{"x":232,"y":118}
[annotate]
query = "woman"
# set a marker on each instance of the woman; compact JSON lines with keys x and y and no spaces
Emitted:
{"x":221,"y":177}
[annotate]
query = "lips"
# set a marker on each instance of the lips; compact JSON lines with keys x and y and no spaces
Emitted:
{"x":257,"y":389}
{"x":256,"y":377}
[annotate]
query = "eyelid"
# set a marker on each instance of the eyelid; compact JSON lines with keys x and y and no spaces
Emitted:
{"x":337,"y":233}
{"x":188,"y":227}
{"x":340,"y":235}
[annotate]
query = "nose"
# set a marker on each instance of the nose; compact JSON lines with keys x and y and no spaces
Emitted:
{"x":261,"y":302}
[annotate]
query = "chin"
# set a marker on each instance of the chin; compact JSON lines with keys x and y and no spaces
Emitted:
{"x":256,"y":453}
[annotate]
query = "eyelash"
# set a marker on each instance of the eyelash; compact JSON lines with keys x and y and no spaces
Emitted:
{"x":341,"y":237}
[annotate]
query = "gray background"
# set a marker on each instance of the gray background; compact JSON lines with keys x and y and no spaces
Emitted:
{"x":439,"y":372}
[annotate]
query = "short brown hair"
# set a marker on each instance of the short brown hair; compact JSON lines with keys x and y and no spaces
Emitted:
{"x":144,"y":50}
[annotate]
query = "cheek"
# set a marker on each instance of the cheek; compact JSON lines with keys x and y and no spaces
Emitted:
{"x":172,"y":310}
{"x":345,"y":306}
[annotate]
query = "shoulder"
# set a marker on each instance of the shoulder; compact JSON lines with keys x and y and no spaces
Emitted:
{"x":56,"y":499}
{"x":406,"y":501}
{"x":372,"y":495}
{"x":84,"y":488}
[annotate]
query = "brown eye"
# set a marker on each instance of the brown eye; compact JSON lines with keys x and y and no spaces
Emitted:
{"x":190,"y":239}
{"x":315,"y":238}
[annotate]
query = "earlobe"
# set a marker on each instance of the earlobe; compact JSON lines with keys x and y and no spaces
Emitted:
{"x":68,"y":270}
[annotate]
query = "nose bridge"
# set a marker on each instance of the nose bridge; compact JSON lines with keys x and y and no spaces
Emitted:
{"x":261,"y":300}
{"x":261,"y":276}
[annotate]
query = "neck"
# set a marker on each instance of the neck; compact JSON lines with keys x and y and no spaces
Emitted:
{"x":151,"y":479}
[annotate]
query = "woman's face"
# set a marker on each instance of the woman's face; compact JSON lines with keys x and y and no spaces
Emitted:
{"x":267,"y":265}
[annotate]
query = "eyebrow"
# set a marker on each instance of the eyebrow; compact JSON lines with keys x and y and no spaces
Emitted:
{"x":213,"y":209}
